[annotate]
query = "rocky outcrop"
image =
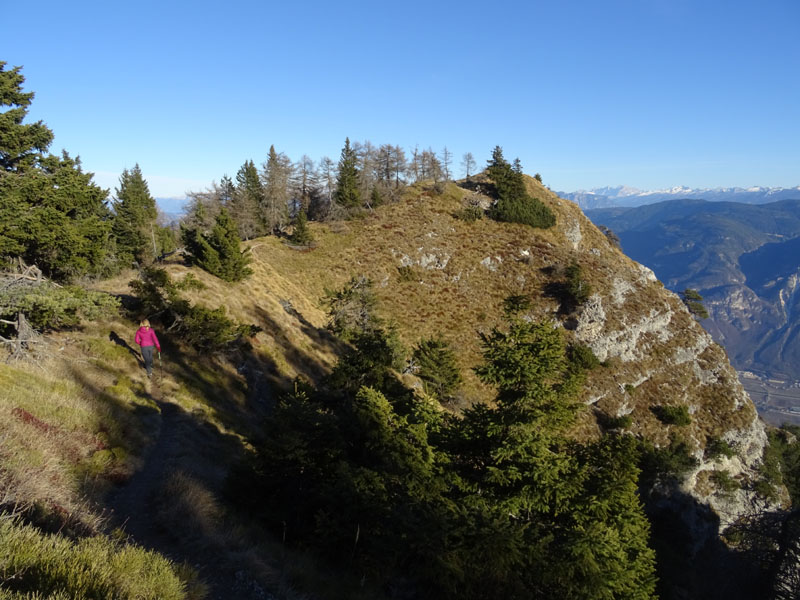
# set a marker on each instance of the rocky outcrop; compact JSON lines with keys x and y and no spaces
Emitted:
{"x":667,"y":359}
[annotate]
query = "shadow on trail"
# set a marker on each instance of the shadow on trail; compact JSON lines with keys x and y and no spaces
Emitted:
{"x":175,"y":502}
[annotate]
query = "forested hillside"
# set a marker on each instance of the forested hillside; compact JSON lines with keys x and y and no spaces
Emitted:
{"x":372,"y":382}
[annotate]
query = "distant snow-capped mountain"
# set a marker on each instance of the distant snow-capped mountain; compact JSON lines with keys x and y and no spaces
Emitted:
{"x":621,"y":195}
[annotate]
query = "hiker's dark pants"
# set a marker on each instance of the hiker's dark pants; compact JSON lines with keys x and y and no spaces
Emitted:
{"x":147,"y":355}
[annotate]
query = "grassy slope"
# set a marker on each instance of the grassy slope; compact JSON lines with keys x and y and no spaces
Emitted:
{"x":83,"y":419}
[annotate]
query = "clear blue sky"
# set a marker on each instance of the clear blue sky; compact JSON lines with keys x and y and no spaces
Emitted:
{"x":647,"y":93}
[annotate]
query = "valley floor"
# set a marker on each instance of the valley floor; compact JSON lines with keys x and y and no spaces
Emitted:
{"x":777,"y":401}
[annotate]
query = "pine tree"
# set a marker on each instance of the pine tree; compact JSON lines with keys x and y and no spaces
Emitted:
{"x":347,"y":194}
{"x":134,"y":219}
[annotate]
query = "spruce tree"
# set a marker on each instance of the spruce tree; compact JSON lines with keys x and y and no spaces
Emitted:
{"x":514,"y":204}
{"x":21,"y":146}
{"x":437,"y":367}
{"x":301,"y":236}
{"x":52,"y":214}
{"x":246,"y":202}
{"x":347,"y":193}
{"x":134,"y":219}
{"x":218,"y":251}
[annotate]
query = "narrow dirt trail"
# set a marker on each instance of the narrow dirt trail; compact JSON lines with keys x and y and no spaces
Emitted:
{"x":181,"y":444}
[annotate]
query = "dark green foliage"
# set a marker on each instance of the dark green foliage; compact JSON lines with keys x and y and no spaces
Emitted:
{"x":673,"y":415}
{"x":210,"y":328}
{"x":134,"y":223}
{"x":693,"y":301}
{"x":49,"y":307}
{"x":375,"y":198}
{"x":782,"y":461}
{"x":723,"y":481}
{"x":245,"y":202}
{"x":166,"y":240}
{"x":202,"y":327}
{"x":55,"y":217}
{"x":671,"y":462}
{"x":52,"y":214}
{"x":470,"y":214}
{"x":21,"y":146}
{"x":437,"y":367}
{"x":347,"y":194}
{"x":514,"y":204}
{"x":516,"y":304}
{"x":496,"y":503}
{"x":218,"y":251}
{"x":716,"y":447}
{"x":372,"y":361}
{"x":608,"y":422}
{"x":577,"y":289}
{"x":301,"y":236}
{"x":582,"y":357}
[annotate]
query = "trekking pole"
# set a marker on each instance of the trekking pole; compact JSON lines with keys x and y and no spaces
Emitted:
{"x":160,"y":368}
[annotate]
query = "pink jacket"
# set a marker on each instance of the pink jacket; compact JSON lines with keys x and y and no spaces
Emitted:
{"x":147,"y":337}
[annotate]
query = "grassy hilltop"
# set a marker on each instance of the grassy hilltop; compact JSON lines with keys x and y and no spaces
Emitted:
{"x":93,"y":450}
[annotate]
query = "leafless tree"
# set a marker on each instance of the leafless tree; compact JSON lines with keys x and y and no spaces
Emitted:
{"x":447,"y":159}
{"x":468,"y":164}
{"x":275,"y":176}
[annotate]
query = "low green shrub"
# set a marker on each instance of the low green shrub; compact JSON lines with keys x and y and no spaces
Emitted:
{"x":716,"y":447}
{"x":673,"y":415}
{"x":582,"y":356}
{"x":671,"y":462}
{"x":724,"y":482}
{"x":469,"y":214}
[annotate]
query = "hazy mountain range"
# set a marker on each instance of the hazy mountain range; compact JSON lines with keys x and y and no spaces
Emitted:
{"x":622,"y":195}
{"x":743,"y":258}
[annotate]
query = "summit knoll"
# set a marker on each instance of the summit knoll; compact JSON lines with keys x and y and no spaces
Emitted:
{"x":434,"y":274}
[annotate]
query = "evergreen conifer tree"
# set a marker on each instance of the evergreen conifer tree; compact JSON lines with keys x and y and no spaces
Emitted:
{"x":301,"y":236}
{"x":52,"y":214}
{"x":134,"y":221}
{"x":347,"y":193}
{"x":246,"y":201}
{"x":21,"y":146}
{"x":514,"y":204}
{"x":218,"y":251}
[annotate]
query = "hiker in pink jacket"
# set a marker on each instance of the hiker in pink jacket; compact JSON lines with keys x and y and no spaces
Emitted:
{"x":146,"y":338}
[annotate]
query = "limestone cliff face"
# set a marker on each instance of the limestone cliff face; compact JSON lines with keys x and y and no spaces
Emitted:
{"x":662,"y":357}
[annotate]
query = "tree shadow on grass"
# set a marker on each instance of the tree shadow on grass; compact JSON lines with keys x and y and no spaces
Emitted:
{"x":174,"y":503}
{"x":114,"y":337}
